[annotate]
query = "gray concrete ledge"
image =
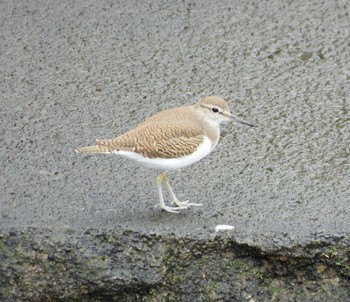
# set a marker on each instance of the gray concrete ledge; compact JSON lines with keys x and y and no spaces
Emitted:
{"x":76,"y":71}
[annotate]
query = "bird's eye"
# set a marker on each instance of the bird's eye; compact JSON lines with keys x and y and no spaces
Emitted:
{"x":215,"y":110}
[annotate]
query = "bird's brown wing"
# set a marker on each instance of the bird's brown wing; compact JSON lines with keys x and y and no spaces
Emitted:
{"x":177,"y":146}
{"x":157,"y":141}
{"x":168,"y":134}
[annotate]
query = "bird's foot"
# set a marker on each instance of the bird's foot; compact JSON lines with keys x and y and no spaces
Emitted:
{"x":185,"y":204}
{"x":171,"y":209}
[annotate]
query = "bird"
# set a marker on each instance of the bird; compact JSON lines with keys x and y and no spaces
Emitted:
{"x":171,"y":140}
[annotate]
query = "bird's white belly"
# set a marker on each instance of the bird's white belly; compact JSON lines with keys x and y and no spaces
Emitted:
{"x":166,"y":164}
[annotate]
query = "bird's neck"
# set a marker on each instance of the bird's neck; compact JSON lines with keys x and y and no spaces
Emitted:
{"x":212,"y":130}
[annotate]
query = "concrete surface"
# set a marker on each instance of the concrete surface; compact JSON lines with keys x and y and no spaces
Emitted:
{"x":76,"y":71}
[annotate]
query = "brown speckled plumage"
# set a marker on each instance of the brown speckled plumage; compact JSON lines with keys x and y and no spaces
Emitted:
{"x":169,"y":134}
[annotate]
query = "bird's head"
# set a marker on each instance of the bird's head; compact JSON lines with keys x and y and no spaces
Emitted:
{"x":216,"y":110}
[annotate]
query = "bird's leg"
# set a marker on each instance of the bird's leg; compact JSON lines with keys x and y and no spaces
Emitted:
{"x":160,"y":179}
{"x":174,"y":199}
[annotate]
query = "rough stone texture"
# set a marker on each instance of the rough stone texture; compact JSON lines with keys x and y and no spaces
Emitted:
{"x":101,"y":265}
{"x":76,"y":71}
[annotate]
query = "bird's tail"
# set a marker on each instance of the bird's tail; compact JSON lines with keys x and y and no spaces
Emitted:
{"x":93,"y":149}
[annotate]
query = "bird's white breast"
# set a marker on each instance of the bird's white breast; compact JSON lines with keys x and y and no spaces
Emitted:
{"x":166,"y":164}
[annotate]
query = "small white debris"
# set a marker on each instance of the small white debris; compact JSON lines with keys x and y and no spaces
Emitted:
{"x":223,"y":227}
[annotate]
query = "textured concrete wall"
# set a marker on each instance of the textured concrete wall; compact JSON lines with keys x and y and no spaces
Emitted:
{"x":76,"y":71}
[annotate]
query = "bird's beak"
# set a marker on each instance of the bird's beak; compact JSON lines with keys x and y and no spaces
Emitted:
{"x":237,"y":120}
